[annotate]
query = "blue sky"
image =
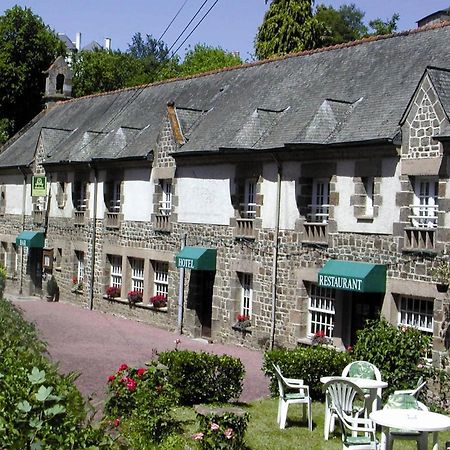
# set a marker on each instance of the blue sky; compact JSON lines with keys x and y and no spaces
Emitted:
{"x":231,"y":24}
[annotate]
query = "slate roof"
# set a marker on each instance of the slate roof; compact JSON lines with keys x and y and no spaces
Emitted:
{"x":441,"y":82}
{"x":349,"y":93}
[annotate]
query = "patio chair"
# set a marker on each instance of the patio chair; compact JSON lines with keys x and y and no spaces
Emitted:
{"x":292,"y":391}
{"x":405,"y":401}
{"x":349,"y":403}
{"x":415,"y":391}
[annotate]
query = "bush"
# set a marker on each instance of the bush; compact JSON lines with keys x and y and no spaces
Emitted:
{"x":397,"y":352}
{"x":306,"y":363}
{"x":40,"y":409}
{"x":201,"y":377}
{"x":3,"y":274}
{"x":221,"y":430}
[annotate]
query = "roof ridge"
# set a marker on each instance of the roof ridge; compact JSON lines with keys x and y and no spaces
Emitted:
{"x":350,"y":44}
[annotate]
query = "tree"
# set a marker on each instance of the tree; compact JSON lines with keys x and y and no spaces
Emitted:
{"x":384,"y":27}
{"x":105,"y":70}
{"x":288,"y":26}
{"x":341,"y":25}
{"x":27,"y":48}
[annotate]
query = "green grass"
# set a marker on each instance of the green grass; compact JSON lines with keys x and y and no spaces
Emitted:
{"x":263,"y":432}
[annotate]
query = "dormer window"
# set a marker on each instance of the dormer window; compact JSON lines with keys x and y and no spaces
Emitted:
{"x":165,"y":204}
{"x":425,"y":204}
{"x":248,"y":206}
{"x":319,"y":207}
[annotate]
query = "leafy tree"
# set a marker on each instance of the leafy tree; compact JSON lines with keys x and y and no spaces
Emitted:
{"x":384,"y":27}
{"x":27,"y":48}
{"x":105,"y":70}
{"x":341,"y":25}
{"x":288,"y":26}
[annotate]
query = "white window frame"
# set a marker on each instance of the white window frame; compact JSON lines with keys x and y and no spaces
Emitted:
{"x":80,"y":265}
{"x":248,"y":207}
{"x":161,"y":278}
{"x":320,"y":197}
{"x":416,"y":312}
{"x":321,"y":310}
{"x":246,"y":280}
{"x":425,"y":205}
{"x":116,"y":271}
{"x":137,"y":274}
{"x":81,"y":200}
{"x":165,"y":205}
{"x":114,"y":203}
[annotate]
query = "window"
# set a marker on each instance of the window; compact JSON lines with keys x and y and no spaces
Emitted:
{"x":116,"y":271}
{"x":165,"y":205}
{"x":79,"y":196}
{"x":368,"y":185}
{"x":425,"y":207}
{"x":321,"y":310}
{"x":112,"y":196}
{"x":246,"y":280}
{"x":59,"y":83}
{"x":137,"y":274}
{"x":319,"y":207}
{"x":61,"y":194}
{"x":248,"y":206}
{"x":161,"y":278}
{"x":80,"y":266}
{"x":416,"y":312}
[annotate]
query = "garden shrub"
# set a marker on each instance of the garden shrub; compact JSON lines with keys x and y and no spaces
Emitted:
{"x":221,"y":430}
{"x":140,"y":402}
{"x":397,"y":352}
{"x":306,"y":363}
{"x":40,"y":409}
{"x":201,"y":377}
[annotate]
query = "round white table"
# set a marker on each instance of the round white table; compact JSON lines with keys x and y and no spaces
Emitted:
{"x":410,"y":419}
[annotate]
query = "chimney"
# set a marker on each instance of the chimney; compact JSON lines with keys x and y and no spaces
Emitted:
{"x":107,"y":43}
{"x":78,"y":41}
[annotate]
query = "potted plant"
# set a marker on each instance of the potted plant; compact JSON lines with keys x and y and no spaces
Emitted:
{"x":243,"y":322}
{"x":159,"y":301}
{"x":52,"y":290}
{"x":441,"y":274}
{"x":134,"y":297}
{"x":112,"y":292}
{"x":320,"y":338}
{"x":77,"y":286}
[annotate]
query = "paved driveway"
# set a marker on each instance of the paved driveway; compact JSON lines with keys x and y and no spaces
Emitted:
{"x":94,"y":345}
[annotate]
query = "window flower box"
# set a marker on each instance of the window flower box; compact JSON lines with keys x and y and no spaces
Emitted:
{"x":243,"y":323}
{"x":112,"y":292}
{"x":134,"y":297}
{"x":159,"y":301}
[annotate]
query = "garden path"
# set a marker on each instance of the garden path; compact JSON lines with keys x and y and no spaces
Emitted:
{"x":94,"y":344}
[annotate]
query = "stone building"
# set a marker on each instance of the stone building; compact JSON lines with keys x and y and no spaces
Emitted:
{"x":308,"y":192}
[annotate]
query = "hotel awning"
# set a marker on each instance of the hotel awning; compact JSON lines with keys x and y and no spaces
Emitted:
{"x":353,"y":276}
{"x":197,"y":258}
{"x":33,"y":239}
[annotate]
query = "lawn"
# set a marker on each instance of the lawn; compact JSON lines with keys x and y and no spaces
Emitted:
{"x":263,"y":432}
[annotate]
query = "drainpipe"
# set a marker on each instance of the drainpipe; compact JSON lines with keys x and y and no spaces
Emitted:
{"x":275,"y":255}
{"x":181,"y":291}
{"x":94,"y":239}
{"x":24,"y":201}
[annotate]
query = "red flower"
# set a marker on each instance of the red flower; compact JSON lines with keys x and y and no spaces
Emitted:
{"x":131,"y":384}
{"x":74,"y":279}
{"x":117,"y":422}
{"x":140,"y":372}
{"x":123,"y":367}
{"x":319,"y":334}
{"x":111,"y":378}
{"x":242,"y":317}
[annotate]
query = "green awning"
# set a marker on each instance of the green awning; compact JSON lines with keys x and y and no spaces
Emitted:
{"x":353,"y":276}
{"x":31,"y":239}
{"x":197,"y":258}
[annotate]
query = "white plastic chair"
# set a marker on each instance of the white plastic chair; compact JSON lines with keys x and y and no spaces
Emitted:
{"x":414,"y":392}
{"x":292,"y":391}
{"x":405,"y":401}
{"x":350,"y":405}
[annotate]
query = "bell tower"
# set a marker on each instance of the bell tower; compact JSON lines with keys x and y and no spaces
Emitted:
{"x":58,"y":83}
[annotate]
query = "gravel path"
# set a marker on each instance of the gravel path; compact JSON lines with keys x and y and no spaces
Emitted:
{"x":94,"y":345}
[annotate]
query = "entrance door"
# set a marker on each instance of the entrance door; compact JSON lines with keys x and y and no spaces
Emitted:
{"x":200,"y":293}
{"x":365,"y":306}
{"x":35,"y":270}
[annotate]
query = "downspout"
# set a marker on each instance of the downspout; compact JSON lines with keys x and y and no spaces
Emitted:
{"x":94,"y":239}
{"x":181,"y":291}
{"x":24,"y":201}
{"x":275,"y":255}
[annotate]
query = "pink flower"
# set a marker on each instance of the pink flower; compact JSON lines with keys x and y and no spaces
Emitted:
{"x":131,"y":384}
{"x":124,"y":380}
{"x":140,"y":372}
{"x":111,"y":378}
{"x":228,"y":433}
{"x":198,"y":436}
{"x":123,"y":367}
{"x":214,"y":426}
{"x":116,"y":422}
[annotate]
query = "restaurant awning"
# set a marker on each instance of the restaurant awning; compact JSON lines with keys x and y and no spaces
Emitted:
{"x":197,"y":258}
{"x":353,"y":276}
{"x":33,"y":239}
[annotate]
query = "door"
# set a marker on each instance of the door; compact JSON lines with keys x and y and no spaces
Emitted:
{"x":35,"y":270}
{"x":200,"y":297}
{"x":365,"y":306}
